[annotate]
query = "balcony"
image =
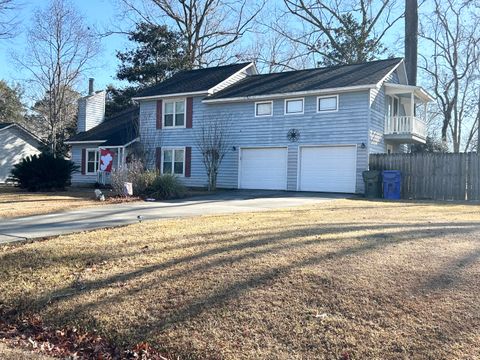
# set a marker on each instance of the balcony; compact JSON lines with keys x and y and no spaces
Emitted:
{"x":405,"y":129}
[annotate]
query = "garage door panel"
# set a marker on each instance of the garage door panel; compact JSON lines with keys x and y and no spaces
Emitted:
{"x":328,"y":169}
{"x":263,"y":168}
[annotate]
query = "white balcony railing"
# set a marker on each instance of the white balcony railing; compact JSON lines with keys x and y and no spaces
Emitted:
{"x":407,"y":125}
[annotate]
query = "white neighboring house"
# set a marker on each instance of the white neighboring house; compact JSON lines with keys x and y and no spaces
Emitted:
{"x":16,"y":143}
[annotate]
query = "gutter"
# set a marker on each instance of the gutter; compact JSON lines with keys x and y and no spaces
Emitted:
{"x":162,"y":96}
{"x":84,"y":142}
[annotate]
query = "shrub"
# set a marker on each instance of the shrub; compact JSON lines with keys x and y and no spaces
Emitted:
{"x":144,"y":181}
{"x":43,"y":172}
{"x":131,"y":173}
{"x":166,"y":187}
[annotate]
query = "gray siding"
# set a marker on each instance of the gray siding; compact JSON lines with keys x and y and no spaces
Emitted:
{"x":377,"y":121}
{"x":347,"y":126}
{"x":378,"y":109}
{"x":77,"y":178}
{"x":15,"y":145}
{"x":91,"y":111}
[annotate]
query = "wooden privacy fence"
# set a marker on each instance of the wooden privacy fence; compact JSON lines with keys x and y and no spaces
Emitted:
{"x":434,"y":176}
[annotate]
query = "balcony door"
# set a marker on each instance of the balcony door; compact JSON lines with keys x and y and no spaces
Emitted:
{"x":393,"y":106}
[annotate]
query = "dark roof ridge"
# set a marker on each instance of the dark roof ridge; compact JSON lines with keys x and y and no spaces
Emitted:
{"x":328,"y":67}
{"x":216,"y":67}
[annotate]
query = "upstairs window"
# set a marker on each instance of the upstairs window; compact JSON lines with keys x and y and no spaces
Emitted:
{"x":174,"y":113}
{"x":263,"y":108}
{"x":327,"y":103}
{"x":173,"y":161}
{"x":293,"y":106}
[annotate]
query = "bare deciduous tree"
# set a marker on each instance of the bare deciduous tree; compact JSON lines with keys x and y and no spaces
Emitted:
{"x":7,"y":20}
{"x":213,"y":140}
{"x":59,"y":50}
{"x":209,"y":27}
{"x":453,"y":67}
{"x":341,"y":31}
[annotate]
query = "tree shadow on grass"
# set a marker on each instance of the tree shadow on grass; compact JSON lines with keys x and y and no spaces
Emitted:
{"x":256,"y":248}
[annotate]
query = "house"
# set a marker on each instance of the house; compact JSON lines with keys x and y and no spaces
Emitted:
{"x":16,"y":143}
{"x":306,"y":130}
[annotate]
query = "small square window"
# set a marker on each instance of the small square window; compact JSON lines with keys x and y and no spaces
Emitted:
{"x":294,"y":106}
{"x":92,"y":161}
{"x":173,"y":161}
{"x":263,"y":108}
{"x":174,"y":115}
{"x":329,"y":103}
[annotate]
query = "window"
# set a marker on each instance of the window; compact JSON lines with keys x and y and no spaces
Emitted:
{"x":263,"y":108}
{"x":327,"y":103}
{"x":173,"y":161}
{"x":174,"y":113}
{"x":294,"y":106}
{"x":92,"y":160}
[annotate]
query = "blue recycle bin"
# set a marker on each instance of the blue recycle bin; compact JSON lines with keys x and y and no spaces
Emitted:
{"x":392,"y":180}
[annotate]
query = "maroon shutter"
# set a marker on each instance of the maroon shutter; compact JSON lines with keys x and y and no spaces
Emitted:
{"x":158,"y":158}
{"x":159,"y":114}
{"x":84,"y":156}
{"x":188,"y":123}
{"x":188,"y":161}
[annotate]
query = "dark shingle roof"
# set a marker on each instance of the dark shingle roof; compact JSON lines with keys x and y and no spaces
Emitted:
{"x":193,"y":80}
{"x":311,"y":79}
{"x":4,"y":125}
{"x":117,"y":130}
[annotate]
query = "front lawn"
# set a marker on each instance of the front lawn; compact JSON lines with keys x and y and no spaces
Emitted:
{"x":15,"y":202}
{"x":348,"y":279}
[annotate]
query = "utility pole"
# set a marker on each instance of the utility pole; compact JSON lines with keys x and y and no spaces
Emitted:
{"x":411,"y":40}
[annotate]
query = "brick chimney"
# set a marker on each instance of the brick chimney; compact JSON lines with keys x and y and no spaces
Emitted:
{"x":91,"y":108}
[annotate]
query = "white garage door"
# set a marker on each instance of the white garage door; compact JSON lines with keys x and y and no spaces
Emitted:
{"x":263,"y":168}
{"x":328,"y":168}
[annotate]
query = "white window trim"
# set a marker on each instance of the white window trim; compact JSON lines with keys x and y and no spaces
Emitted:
{"x":173,"y":158}
{"x":185,"y":113}
{"x":293,"y":99}
{"x":97,"y":160}
{"x":327,"y":96}
{"x":264,"y":102}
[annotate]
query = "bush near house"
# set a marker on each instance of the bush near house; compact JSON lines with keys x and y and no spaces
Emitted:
{"x":147,"y":183}
{"x":43,"y":172}
{"x":166,"y":187}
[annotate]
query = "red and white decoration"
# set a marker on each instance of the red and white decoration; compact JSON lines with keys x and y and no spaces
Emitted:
{"x":106,"y":160}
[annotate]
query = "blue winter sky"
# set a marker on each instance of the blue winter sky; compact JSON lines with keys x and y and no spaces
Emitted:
{"x":101,"y":14}
{"x":98,"y":13}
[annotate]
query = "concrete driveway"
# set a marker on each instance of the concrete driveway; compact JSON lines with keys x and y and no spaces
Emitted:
{"x":224,"y":202}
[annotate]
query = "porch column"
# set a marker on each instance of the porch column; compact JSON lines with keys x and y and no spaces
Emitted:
{"x":412,"y":99}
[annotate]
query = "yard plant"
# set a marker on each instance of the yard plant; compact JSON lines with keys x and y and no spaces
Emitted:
{"x":43,"y":172}
{"x":147,"y":183}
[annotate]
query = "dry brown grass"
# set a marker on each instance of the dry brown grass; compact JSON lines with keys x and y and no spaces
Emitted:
{"x":15,"y":202}
{"x":344,"y":279}
{"x":9,"y":353}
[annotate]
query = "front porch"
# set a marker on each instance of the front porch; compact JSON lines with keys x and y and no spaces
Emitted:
{"x":406,"y":115}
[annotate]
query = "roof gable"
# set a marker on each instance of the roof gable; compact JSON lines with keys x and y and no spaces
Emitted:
{"x":193,"y":81}
{"x":116,"y":130}
{"x":5,"y":126}
{"x":333,"y":77}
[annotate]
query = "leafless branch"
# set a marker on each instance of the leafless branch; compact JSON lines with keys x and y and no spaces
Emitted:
{"x":59,"y":49}
{"x":452,"y":67}
{"x":208,"y":26}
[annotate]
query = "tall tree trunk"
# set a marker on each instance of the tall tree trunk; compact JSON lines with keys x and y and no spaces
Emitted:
{"x":411,"y":40}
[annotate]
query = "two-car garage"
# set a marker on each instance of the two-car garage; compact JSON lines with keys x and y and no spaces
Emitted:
{"x":319,"y":168}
